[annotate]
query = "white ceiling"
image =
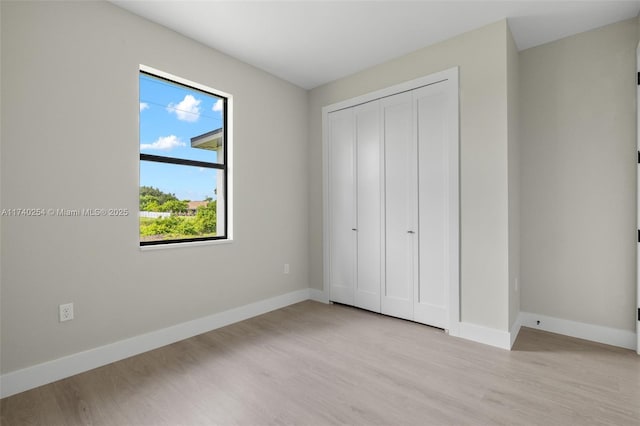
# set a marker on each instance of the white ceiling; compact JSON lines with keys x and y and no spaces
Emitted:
{"x":310,"y":43}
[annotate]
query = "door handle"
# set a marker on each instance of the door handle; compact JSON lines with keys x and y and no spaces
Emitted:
{"x":353,"y":229}
{"x":410,"y":232}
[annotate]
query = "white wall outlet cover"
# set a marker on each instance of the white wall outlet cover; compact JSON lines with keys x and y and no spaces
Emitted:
{"x":65,"y":312}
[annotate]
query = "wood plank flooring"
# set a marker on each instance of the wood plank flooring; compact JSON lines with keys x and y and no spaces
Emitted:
{"x":316,"y":364}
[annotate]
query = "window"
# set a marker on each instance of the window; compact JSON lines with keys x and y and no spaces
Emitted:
{"x":183,"y":160}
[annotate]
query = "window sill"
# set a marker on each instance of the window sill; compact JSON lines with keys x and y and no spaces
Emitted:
{"x":185,"y":244}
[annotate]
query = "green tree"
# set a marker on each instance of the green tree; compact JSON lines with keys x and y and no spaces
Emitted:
{"x":162,"y":226}
{"x":151,"y":206}
{"x":174,"y":206}
{"x":149,"y":192}
{"x":187,"y":226}
{"x":206,"y":217}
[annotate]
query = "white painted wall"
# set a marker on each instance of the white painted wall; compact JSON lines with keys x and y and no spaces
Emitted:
{"x":578,"y":127}
{"x":514,"y":151}
{"x":482,"y":57}
{"x":70,"y":140}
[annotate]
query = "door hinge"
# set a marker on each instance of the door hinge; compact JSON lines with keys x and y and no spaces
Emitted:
{"x":639,"y":235}
{"x":638,"y":314}
{"x":638,"y":78}
{"x":638,"y":157}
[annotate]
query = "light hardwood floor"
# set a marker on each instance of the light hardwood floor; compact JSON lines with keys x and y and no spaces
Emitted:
{"x":316,"y":364}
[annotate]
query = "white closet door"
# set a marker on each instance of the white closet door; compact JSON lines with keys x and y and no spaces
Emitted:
{"x":369,"y":206}
{"x":342,"y":216}
{"x":434,"y":200}
{"x":400,"y":206}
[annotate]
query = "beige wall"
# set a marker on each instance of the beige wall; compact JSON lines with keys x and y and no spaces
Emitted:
{"x":70,"y":140}
{"x":578,"y":129}
{"x":482,"y":57}
{"x":513,"y":118}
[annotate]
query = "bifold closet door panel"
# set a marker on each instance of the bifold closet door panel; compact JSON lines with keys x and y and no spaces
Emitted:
{"x":431,"y":302}
{"x":342,"y":206}
{"x":400,"y":205}
{"x":369,"y":206}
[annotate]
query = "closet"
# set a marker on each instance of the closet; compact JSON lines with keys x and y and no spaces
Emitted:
{"x":391,"y":201}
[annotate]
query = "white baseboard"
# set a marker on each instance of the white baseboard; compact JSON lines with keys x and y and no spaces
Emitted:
{"x":41,"y":374}
{"x":488,"y":336}
{"x":596,"y":333}
{"x":318,"y":295}
{"x":47,"y":372}
{"x":515,"y":330}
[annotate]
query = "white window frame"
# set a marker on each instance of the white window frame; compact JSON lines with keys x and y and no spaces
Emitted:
{"x":228,"y":147}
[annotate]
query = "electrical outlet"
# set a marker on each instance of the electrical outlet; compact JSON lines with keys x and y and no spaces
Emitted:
{"x":66,"y":312}
{"x":286,"y":268}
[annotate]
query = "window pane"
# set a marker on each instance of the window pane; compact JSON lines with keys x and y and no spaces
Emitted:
{"x":180,"y":202}
{"x":180,"y":122}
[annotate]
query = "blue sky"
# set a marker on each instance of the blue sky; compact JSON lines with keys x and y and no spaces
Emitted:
{"x":170,"y":115}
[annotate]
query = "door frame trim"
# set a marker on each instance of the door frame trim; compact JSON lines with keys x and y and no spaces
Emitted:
{"x":637,"y":313}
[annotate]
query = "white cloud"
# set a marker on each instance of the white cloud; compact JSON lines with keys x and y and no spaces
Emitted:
{"x":187,"y":109}
{"x":143,"y":106}
{"x":164,"y":143}
{"x":217,"y":106}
